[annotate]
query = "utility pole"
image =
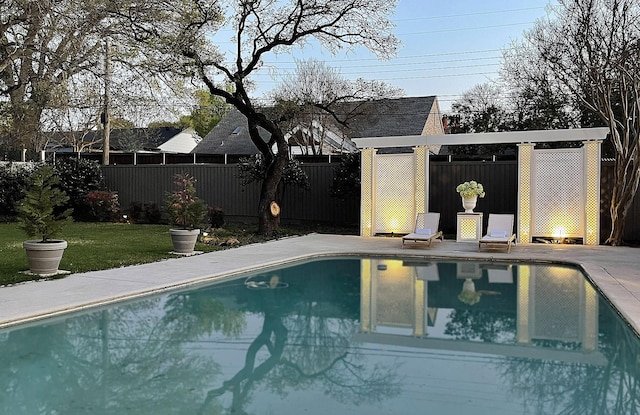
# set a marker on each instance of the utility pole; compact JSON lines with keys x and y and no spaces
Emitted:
{"x":106,"y":119}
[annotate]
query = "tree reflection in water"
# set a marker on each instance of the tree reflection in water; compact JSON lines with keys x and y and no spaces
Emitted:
{"x":550,"y":387}
{"x":307,"y":342}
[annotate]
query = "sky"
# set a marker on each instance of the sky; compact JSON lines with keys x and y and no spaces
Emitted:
{"x":446,"y":47}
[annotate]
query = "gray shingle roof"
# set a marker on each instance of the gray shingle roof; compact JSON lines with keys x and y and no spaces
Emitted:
{"x":229,"y":136}
{"x":386,"y":117}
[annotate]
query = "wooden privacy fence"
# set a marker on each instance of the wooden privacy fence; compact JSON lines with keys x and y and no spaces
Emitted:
{"x":219,"y":185}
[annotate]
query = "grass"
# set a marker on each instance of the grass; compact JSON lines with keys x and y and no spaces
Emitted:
{"x":96,"y":246}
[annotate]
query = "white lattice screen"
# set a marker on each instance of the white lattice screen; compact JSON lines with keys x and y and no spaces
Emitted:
{"x":558,"y":194}
{"x":394,"y":193}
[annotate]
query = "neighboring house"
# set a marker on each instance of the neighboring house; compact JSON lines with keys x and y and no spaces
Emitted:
{"x":381,"y":118}
{"x":163,"y":139}
{"x":183,"y":142}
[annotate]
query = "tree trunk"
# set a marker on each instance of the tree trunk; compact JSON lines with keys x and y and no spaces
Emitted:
{"x":625,"y":186}
{"x":267,"y":222}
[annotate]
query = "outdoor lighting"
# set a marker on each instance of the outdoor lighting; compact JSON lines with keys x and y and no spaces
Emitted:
{"x":559,"y":233}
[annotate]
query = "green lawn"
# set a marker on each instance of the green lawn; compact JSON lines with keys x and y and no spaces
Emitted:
{"x":95,"y":246}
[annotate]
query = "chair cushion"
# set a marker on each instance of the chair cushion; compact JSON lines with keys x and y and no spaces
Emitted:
{"x":423,"y":231}
{"x":498,"y":234}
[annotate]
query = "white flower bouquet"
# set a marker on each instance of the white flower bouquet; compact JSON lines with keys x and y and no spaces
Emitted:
{"x":470,"y":189}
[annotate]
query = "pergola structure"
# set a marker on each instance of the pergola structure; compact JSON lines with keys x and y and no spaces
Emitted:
{"x":558,"y":190}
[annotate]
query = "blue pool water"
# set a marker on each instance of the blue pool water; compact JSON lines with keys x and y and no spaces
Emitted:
{"x":337,"y":336}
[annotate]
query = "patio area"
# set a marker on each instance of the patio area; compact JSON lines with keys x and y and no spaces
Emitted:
{"x":615,"y":271}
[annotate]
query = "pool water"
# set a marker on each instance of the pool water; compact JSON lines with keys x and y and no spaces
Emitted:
{"x":337,"y":336}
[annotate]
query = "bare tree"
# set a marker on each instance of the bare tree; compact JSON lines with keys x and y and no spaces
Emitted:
{"x":317,"y":101}
{"x":591,"y":48}
{"x":261,"y":28}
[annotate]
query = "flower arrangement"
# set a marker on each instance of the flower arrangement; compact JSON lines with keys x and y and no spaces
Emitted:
{"x":470,"y":189}
{"x":182,"y":206}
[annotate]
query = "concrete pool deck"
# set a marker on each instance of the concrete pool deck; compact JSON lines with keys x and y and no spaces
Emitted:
{"x":615,"y":270}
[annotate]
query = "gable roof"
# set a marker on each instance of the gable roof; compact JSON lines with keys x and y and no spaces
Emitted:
{"x":380,"y":118}
{"x":391,"y":117}
{"x":230,"y":136}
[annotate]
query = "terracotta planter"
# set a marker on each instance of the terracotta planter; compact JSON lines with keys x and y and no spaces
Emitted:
{"x":44,"y":257}
{"x":184,"y":240}
{"x":469,"y":203}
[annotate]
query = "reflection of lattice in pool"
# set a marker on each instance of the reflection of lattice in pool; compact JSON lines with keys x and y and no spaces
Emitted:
{"x":558,"y":306}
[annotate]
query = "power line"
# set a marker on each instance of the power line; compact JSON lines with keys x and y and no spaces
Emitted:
{"x":465,"y":28}
{"x":469,"y":14}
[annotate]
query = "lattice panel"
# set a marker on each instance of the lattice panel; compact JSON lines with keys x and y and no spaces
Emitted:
{"x":559,"y":302}
{"x":558,"y":194}
{"x":421,"y":164}
{"x":524,"y":192}
{"x":592,"y":205}
{"x":468,"y":228}
{"x":393,"y":193}
{"x":366,"y":186}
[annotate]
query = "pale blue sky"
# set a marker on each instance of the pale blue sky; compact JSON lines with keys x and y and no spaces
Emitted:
{"x":447,"y":47}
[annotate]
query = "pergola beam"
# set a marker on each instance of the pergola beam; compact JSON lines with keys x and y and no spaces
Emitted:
{"x":510,"y":137}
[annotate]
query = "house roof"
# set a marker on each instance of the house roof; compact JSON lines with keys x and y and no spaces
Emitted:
{"x":120,"y":139}
{"x":230,"y":136}
{"x":380,"y":118}
{"x":183,"y":142}
{"x":391,"y":117}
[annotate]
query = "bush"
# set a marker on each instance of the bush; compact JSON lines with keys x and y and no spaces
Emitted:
{"x":346,"y":178}
{"x":103,"y":205}
{"x":13,"y":185}
{"x":144,"y":213}
{"x":216,"y":216}
{"x":77,"y":178}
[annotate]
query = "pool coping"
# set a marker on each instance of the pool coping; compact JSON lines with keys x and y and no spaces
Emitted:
{"x":615,"y":271}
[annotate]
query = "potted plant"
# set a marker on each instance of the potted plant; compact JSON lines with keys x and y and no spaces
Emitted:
{"x":185,"y":210}
{"x":40,"y":214}
{"x":469,"y":192}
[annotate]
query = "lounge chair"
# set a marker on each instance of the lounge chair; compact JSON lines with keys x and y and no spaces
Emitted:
{"x":499,"y":231}
{"x":426,"y":229}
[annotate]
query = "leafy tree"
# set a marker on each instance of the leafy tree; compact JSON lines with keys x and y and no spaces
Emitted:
{"x":260,"y":28}
{"x":207,"y":113}
{"x":590,"y":50}
{"x":41,"y":50}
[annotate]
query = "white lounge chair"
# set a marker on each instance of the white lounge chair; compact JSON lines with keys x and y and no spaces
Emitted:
{"x":499,"y":231}
{"x":426,"y":229}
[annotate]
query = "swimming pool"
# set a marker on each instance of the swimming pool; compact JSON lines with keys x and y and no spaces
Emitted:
{"x":342,"y":335}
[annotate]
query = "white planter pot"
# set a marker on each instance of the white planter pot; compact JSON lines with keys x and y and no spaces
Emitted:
{"x":469,"y":203}
{"x":184,"y":240}
{"x":44,"y":257}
